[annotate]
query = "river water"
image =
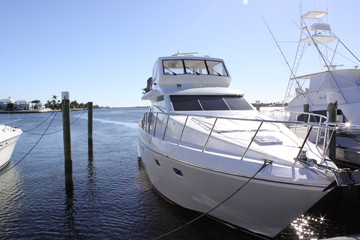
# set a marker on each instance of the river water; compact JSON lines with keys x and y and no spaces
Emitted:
{"x":112,"y":196}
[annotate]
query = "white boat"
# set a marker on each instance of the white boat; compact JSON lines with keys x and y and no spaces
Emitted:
{"x":207,"y":149}
{"x":313,"y":88}
{"x":9,"y":135}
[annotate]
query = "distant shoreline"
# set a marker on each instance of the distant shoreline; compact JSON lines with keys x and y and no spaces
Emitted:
{"x":27,"y":111}
{"x":51,"y":110}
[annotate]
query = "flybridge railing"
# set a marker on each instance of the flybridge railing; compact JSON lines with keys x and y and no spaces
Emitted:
{"x":178,"y":129}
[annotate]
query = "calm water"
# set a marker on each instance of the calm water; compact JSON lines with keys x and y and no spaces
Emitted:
{"x":112,"y":197}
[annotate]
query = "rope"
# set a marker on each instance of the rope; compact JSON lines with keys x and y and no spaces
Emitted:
{"x":73,"y":122}
{"x":39,"y":124}
{"x":32,"y":148}
{"x":266,"y":163}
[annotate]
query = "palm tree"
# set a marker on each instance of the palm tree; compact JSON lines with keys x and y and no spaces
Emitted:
{"x":54,"y":102}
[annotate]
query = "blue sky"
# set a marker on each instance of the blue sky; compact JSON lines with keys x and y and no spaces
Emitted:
{"x":104,"y":50}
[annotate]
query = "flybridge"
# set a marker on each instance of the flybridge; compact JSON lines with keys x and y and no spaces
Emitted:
{"x":183,"y":71}
{"x":322,"y":32}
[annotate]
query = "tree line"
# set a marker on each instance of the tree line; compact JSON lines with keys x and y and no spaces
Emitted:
{"x":55,"y":104}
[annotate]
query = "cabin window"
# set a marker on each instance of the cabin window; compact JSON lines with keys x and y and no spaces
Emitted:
{"x":160,"y":98}
{"x":216,"y":68}
{"x":213,"y":103}
{"x":195,"y":67}
{"x":160,"y":102}
{"x":173,"y":67}
{"x":185,"y":103}
{"x":237,"y":103}
{"x":209,"y":103}
{"x":198,"y":67}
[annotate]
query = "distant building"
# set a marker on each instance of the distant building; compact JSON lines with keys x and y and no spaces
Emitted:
{"x":10,"y":104}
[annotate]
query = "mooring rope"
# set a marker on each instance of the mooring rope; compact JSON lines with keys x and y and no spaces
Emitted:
{"x":73,"y":122}
{"x":266,"y":163}
{"x":39,"y":124}
{"x":32,"y":148}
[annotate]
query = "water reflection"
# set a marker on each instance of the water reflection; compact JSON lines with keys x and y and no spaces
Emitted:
{"x":11,"y":192}
{"x":307,"y":226}
{"x":70,"y":213}
{"x":91,"y":184}
{"x":91,"y":171}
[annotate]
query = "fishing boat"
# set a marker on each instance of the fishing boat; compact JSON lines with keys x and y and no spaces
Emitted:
{"x":318,"y":41}
{"x":334,"y":82}
{"x":9,"y":135}
{"x":205,"y":148}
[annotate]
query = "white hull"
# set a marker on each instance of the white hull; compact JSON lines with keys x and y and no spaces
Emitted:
{"x":8,"y":139}
{"x":205,"y":148}
{"x":263,"y":206}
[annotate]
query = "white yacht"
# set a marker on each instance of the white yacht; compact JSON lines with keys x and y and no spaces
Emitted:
{"x":8,"y":137}
{"x":207,"y":149}
{"x":312,"y":88}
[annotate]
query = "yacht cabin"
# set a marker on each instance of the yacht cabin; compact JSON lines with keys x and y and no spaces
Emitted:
{"x":192,"y":83}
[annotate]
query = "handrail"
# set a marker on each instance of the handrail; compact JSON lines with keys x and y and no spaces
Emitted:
{"x":251,"y":141}
{"x":297,"y":114}
{"x":207,"y":140}
{"x":182,"y":132}
{"x":152,"y":127}
{"x":251,"y":119}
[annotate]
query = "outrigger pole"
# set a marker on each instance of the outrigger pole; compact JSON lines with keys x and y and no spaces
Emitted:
{"x":287,"y":63}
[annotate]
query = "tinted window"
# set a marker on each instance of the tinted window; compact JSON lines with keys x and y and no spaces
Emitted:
{"x":198,"y":103}
{"x":185,"y":103}
{"x":237,"y":103}
{"x":213,"y":103}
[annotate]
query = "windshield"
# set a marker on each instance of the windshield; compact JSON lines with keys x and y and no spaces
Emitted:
{"x":198,"y":67}
{"x":209,"y":103}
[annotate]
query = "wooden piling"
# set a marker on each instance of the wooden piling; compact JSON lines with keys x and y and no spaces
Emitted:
{"x":331,"y":115}
{"x":67,"y":141}
{"x":306,"y":109}
{"x":90,"y":128}
{"x":258,"y":105}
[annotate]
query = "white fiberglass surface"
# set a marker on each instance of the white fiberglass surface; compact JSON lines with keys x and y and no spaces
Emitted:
{"x":228,"y":136}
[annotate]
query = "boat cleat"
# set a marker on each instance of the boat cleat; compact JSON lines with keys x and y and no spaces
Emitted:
{"x":302,"y":158}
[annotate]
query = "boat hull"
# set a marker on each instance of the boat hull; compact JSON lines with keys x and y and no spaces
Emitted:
{"x":7,"y":144}
{"x":260,"y":206}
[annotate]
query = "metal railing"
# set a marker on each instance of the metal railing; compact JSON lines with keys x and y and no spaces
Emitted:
{"x":158,"y":125}
{"x":343,"y":128}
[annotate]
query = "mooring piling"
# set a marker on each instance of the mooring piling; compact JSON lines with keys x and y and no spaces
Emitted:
{"x":306,"y":109}
{"x":67,"y":141}
{"x":257,"y":105}
{"x":331,"y":115}
{"x":90,"y":128}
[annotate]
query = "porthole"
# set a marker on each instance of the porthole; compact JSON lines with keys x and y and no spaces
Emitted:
{"x":178,"y":172}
